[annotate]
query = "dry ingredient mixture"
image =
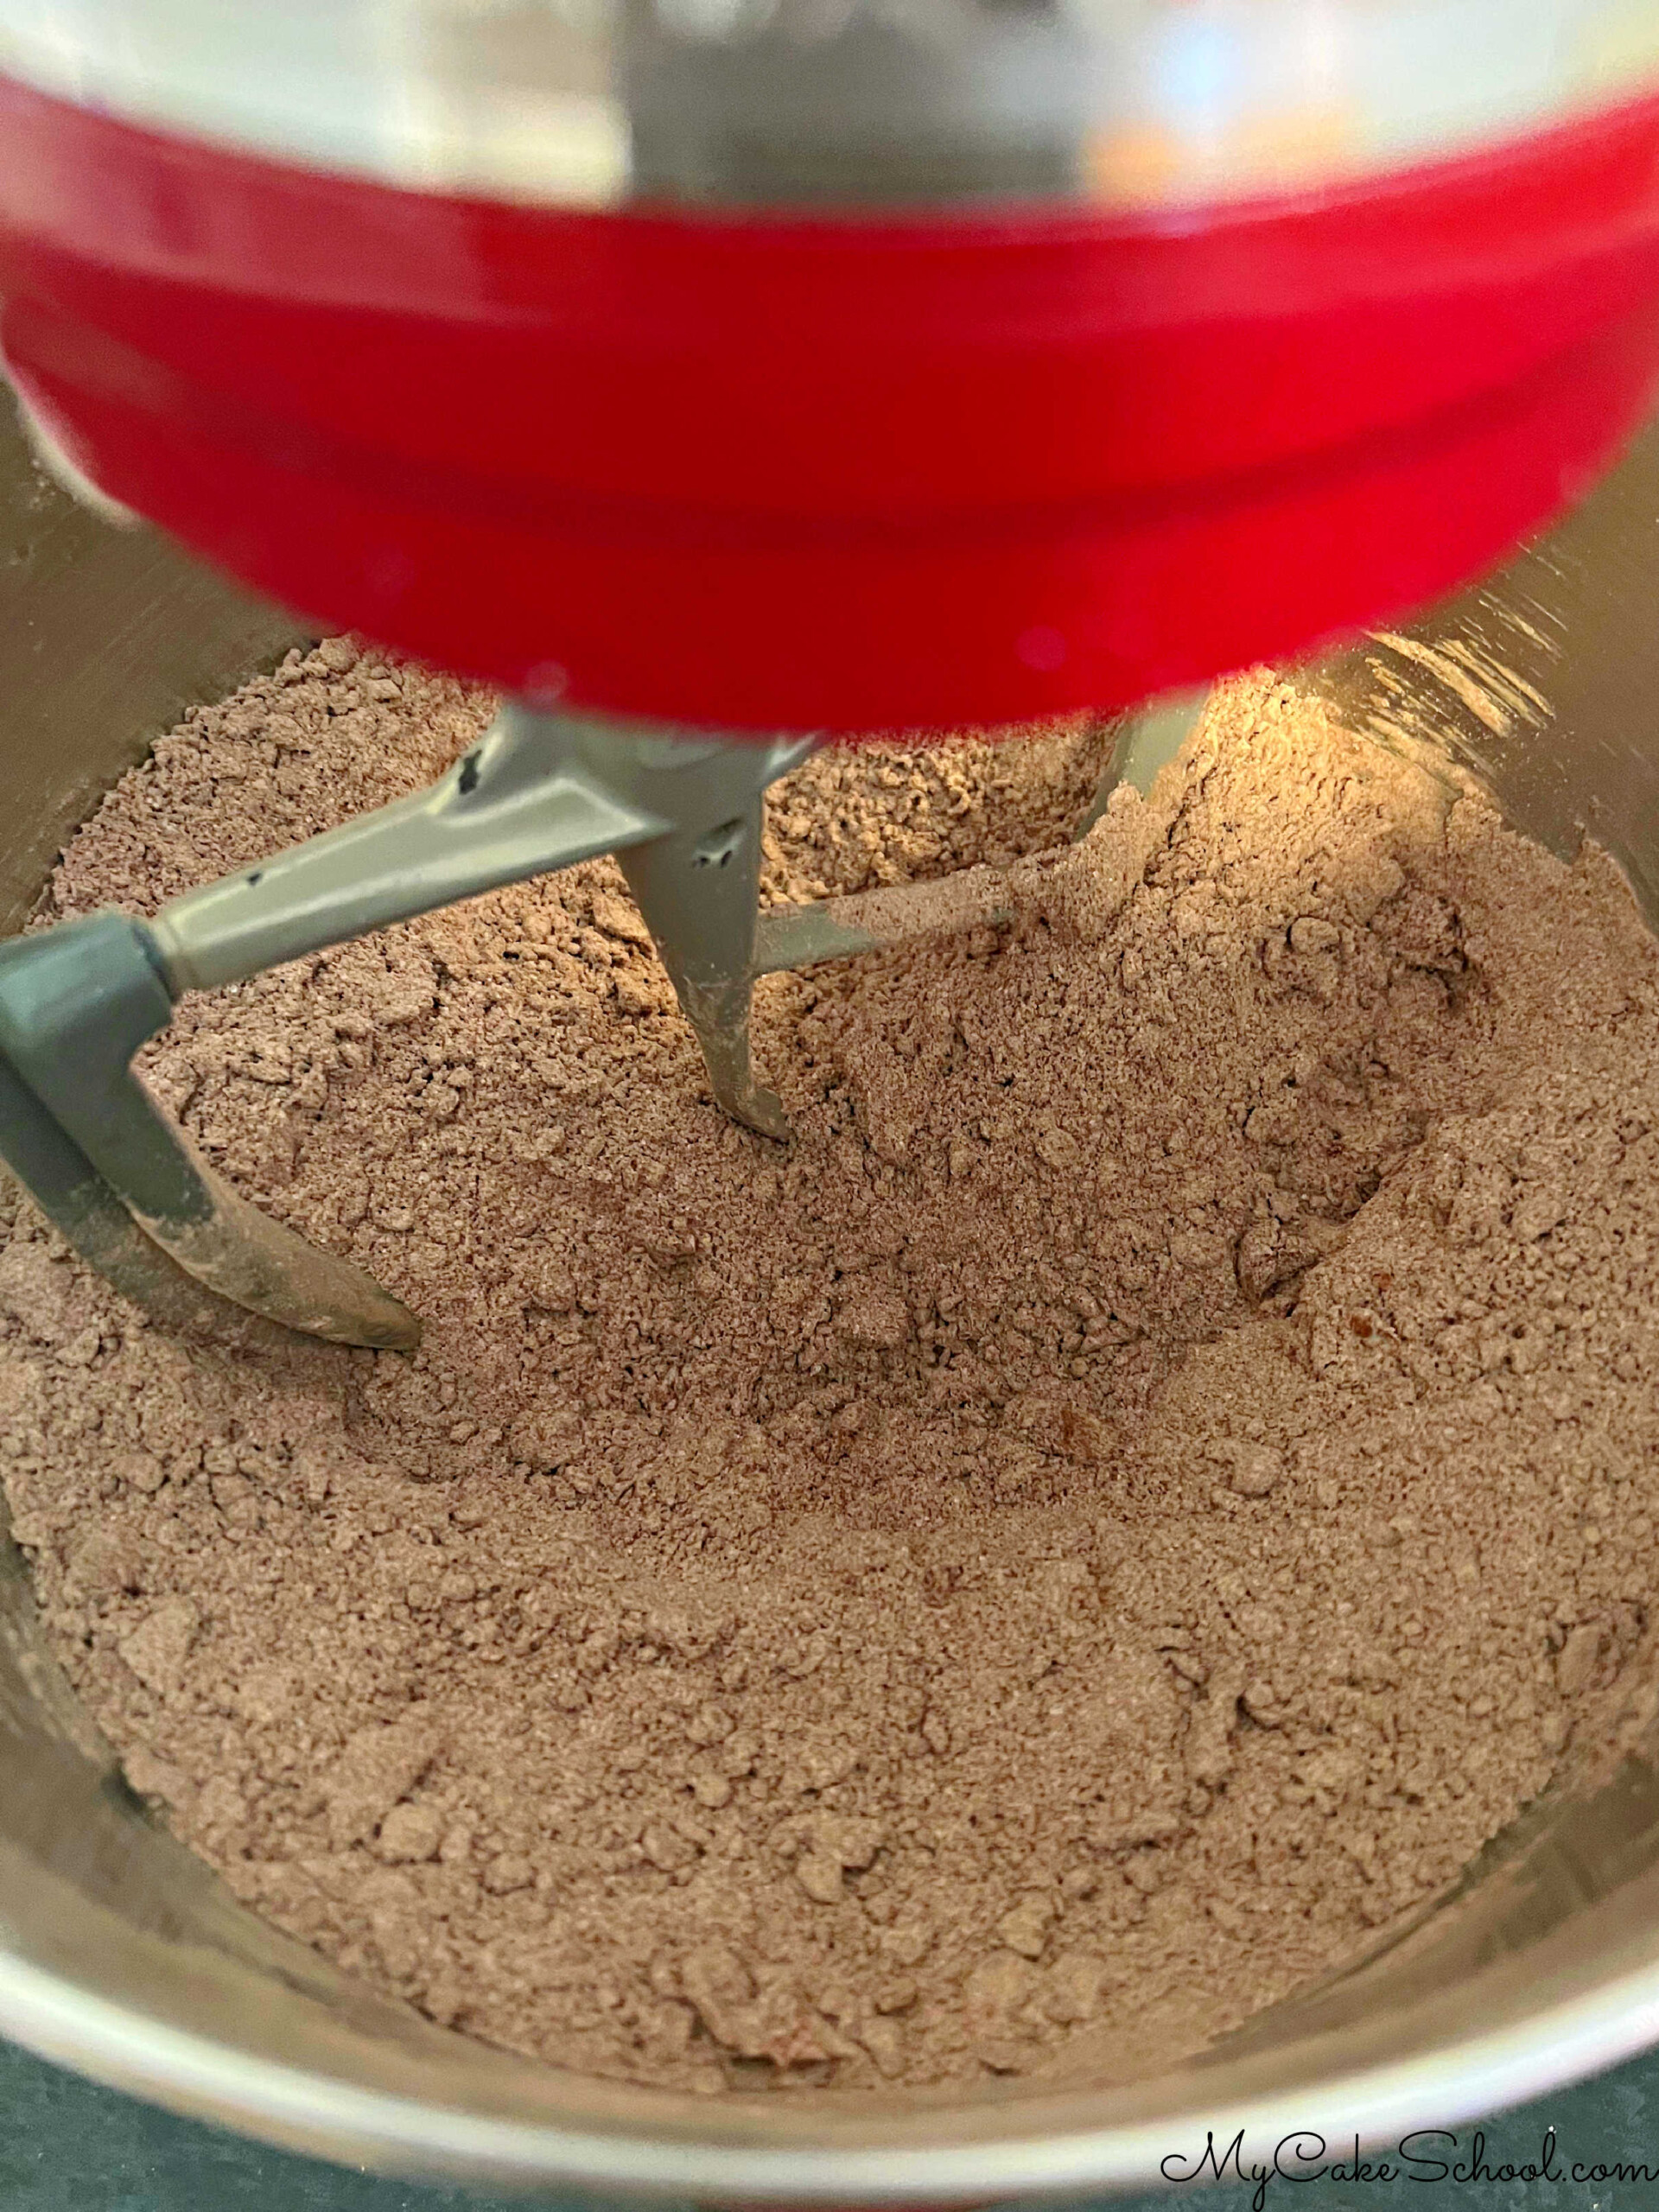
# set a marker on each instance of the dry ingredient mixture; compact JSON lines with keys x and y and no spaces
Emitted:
{"x":1155,"y":1475}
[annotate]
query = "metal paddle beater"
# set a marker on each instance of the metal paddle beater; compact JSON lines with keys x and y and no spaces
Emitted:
{"x":540,"y":792}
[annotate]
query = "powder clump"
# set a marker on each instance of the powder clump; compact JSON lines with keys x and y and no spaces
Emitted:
{"x":1124,"y":1506}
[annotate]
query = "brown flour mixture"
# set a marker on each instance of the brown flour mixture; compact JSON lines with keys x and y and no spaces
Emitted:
{"x":1151,"y":1478}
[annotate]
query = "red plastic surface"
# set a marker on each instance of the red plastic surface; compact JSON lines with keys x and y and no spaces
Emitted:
{"x":772,"y":473}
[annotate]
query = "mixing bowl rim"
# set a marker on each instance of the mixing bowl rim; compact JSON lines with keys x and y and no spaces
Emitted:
{"x":1470,"y":2078}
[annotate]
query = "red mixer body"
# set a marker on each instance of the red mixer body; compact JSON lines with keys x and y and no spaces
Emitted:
{"x":767,"y":472}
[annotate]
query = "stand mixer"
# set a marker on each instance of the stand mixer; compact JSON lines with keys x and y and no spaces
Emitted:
{"x":696,"y":371}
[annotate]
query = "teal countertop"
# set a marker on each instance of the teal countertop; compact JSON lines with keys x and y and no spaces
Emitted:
{"x":67,"y":2147}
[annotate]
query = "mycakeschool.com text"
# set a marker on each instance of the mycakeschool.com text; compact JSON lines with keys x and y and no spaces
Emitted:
{"x":1433,"y":2156}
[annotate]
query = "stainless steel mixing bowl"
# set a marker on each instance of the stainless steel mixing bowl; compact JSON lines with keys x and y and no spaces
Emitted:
{"x":121,"y":1954}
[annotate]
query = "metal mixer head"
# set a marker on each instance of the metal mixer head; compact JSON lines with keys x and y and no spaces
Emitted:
{"x":683,"y":815}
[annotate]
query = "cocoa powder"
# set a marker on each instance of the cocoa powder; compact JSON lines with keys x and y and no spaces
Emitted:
{"x":1156,"y":1474}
